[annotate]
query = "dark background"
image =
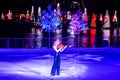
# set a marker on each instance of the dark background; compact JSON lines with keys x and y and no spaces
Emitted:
{"x":18,"y":29}
{"x":97,"y":6}
{"x":92,"y":5}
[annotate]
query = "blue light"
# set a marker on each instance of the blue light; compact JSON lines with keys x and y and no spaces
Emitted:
{"x":78,"y":22}
{"x":49,"y":21}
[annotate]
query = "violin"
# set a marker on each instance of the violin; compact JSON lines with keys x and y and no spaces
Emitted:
{"x":60,"y":46}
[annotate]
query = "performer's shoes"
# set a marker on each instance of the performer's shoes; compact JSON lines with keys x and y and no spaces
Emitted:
{"x":52,"y":74}
{"x":58,"y":74}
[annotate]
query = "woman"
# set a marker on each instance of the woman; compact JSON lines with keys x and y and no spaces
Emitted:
{"x":58,"y":47}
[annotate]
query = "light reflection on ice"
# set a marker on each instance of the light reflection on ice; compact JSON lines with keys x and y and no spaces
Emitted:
{"x":71,"y":66}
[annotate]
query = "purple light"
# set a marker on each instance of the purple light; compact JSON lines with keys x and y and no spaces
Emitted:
{"x":78,"y":22}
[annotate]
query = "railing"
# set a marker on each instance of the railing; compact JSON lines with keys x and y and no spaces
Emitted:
{"x":25,"y":43}
{"x":48,"y":42}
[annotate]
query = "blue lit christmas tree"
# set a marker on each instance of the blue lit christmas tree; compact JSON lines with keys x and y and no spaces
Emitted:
{"x":49,"y":21}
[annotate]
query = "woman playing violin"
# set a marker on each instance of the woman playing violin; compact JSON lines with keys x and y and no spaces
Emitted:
{"x":58,"y":47}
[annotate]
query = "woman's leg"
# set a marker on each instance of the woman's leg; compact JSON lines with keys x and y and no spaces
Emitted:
{"x":54,"y":67}
{"x":58,"y":65}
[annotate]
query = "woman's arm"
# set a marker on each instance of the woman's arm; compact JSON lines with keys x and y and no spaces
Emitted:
{"x":62,"y":49}
{"x":56,"y":50}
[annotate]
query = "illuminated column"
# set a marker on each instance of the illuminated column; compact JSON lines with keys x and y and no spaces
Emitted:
{"x":101,"y":17}
{"x":2,"y":16}
{"x":115,"y":28}
{"x":84,"y":38}
{"x":32,"y":16}
{"x":38,"y":30}
{"x":38,"y":19}
{"x":32,"y":11}
{"x":58,"y":9}
{"x":38,"y":16}
{"x":106,"y":29}
{"x":27,"y":16}
{"x":86,"y":14}
{"x":39,"y":11}
{"x":39,"y":38}
{"x":9,"y":15}
{"x":69,"y":17}
{"x":32,"y":27}
{"x":93,"y":30}
{"x":86,"y":20}
{"x":115,"y":25}
{"x":58,"y":31}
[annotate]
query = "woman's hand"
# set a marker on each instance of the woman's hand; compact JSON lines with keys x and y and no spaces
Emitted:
{"x":62,"y":49}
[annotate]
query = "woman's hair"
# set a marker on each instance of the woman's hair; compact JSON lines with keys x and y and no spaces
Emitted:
{"x":56,"y":41}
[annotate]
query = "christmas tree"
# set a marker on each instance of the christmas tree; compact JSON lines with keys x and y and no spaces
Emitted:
{"x":78,"y":22}
{"x":49,"y":21}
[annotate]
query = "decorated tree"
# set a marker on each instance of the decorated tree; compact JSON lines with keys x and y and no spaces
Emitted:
{"x":78,"y":22}
{"x":50,"y":21}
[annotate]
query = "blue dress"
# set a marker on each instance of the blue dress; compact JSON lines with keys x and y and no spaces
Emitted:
{"x":56,"y":64}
